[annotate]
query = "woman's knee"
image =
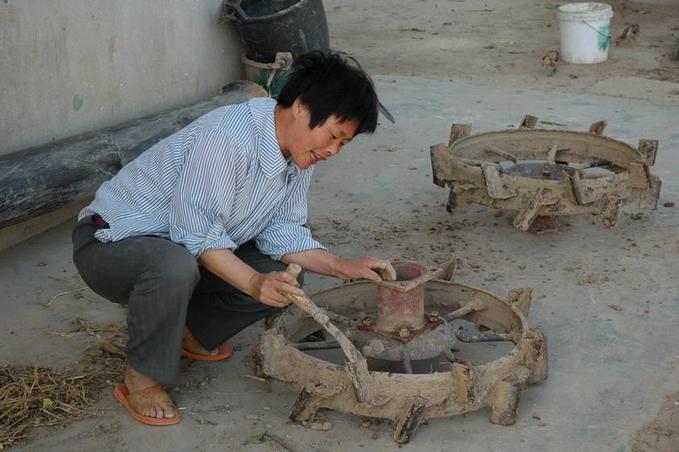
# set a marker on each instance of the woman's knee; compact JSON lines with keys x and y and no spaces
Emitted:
{"x":178,"y":271}
{"x":142,"y":264}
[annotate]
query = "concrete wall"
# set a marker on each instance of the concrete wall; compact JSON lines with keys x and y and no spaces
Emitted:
{"x":71,"y":66}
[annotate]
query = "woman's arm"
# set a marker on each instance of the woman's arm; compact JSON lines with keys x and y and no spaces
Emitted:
{"x":263,"y":287}
{"x":325,"y":263}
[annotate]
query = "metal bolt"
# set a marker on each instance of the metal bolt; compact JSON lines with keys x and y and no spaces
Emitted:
{"x":433,"y":316}
{"x":367,"y":321}
{"x":404,"y":332}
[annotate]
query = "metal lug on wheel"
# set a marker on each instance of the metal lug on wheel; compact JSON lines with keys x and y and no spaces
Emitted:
{"x":505,"y":403}
{"x":305,"y":407}
{"x":406,"y":425}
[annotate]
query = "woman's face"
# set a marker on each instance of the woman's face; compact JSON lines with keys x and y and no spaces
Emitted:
{"x":309,"y":146}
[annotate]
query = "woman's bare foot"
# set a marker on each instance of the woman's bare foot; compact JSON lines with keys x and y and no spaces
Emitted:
{"x":136,"y":381}
{"x":190,"y":344}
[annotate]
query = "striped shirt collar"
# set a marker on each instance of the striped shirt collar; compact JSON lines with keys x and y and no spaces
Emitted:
{"x":270,"y":155}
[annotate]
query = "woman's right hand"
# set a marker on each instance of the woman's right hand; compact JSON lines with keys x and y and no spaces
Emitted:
{"x":268,"y":288}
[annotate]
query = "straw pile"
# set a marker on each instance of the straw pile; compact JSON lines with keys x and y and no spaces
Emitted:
{"x":38,"y":396}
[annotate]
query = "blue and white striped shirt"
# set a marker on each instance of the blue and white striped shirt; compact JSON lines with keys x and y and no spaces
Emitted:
{"x":215,"y":184}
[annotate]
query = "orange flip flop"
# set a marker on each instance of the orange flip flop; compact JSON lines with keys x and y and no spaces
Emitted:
{"x":137,"y":402}
{"x":223,"y":352}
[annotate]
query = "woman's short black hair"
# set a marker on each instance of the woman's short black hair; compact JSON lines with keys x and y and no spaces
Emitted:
{"x":327,"y":85}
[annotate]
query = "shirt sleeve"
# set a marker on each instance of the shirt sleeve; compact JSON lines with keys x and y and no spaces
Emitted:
{"x":204,"y":194}
{"x":286,"y":233}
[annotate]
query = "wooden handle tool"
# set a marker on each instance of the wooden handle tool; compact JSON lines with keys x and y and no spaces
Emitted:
{"x":356,"y":363}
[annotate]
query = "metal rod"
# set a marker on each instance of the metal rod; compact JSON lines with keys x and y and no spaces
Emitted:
{"x":489,"y":336}
{"x":339,"y":318}
{"x":407,"y":363}
{"x":551,"y":154}
{"x":463,"y":311}
{"x":592,"y":164}
{"x":502,"y":153}
{"x":319,"y":345}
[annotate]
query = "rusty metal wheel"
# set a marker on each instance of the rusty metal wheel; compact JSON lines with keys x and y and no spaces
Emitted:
{"x":420,"y":367}
{"x":540,"y":172}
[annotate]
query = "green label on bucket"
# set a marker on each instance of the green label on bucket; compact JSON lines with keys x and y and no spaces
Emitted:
{"x":603,"y":37}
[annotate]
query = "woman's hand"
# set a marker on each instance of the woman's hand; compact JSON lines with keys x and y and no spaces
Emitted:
{"x":268,"y":288}
{"x":366,"y":268}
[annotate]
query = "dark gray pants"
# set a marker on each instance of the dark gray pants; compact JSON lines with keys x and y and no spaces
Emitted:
{"x":165,"y":290}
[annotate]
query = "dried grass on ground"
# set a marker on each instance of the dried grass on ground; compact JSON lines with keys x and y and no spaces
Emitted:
{"x":37,"y":396}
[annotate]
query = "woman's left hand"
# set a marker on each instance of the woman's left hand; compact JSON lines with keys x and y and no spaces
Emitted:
{"x":366,"y":268}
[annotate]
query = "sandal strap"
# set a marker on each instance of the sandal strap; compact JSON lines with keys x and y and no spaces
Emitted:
{"x":153,"y":396}
{"x":191,"y":344}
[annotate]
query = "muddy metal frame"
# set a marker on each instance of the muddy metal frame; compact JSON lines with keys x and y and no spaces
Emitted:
{"x":470,"y":166}
{"x":409,"y":399}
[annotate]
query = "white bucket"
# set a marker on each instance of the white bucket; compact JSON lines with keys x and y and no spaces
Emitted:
{"x":585,"y":29}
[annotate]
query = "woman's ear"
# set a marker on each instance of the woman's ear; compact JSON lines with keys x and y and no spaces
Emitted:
{"x":299,"y":110}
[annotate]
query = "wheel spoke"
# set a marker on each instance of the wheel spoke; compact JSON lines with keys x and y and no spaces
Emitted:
{"x":407,"y":363}
{"x":317,"y":345}
{"x":488,"y":336}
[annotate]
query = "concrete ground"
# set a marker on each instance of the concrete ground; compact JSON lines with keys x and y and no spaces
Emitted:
{"x":500,"y":42}
{"x":609,"y":368}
